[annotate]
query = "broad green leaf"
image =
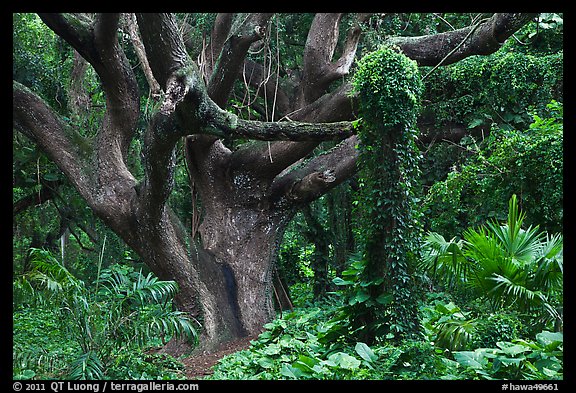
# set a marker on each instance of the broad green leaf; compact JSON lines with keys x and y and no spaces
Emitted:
{"x":360,"y":297}
{"x":339,"y":281}
{"x":272,"y":349}
{"x":511,"y":349}
{"x":384,"y":299}
{"x":365,"y":352}
{"x":305,"y":363}
{"x":345,"y":361}
{"x":551,"y":340}
{"x":285,"y":341}
{"x":553,"y":365}
{"x":471,"y":359}
{"x":266,"y":362}
{"x":289,"y":371}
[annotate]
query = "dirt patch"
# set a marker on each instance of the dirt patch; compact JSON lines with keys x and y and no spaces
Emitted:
{"x":200,"y":365}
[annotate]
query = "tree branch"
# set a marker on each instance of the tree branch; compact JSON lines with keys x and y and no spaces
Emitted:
{"x":220,"y":32}
{"x":74,"y":29}
{"x":69,"y":151}
{"x":97,"y":42}
{"x":487,"y":38}
{"x":272,"y":158}
{"x":159,"y":160}
{"x":164,"y":46}
{"x":228,"y":126}
{"x":253,"y":74}
{"x":132,"y":26}
{"x":247,"y":29}
{"x":318,"y":175}
{"x":319,"y":70}
{"x":45,"y":194}
{"x":318,"y":52}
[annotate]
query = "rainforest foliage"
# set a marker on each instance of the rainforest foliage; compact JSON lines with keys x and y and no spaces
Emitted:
{"x":441,"y":258}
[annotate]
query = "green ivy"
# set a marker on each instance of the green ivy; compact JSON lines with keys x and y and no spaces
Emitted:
{"x":495,"y":89}
{"x":381,"y":296}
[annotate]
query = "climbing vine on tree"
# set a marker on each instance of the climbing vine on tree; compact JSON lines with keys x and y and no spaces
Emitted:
{"x":382,"y":293}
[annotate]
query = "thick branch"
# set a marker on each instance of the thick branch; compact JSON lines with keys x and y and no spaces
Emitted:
{"x":34,"y":118}
{"x":220,"y":31}
{"x":45,"y":194}
{"x":484,"y":39}
{"x":164,"y":46}
{"x":132,"y":26}
{"x":159,"y":160}
{"x":319,"y":70}
{"x":97,"y":42}
{"x":343,"y":64}
{"x":273,"y":158}
{"x":267,"y":86}
{"x":229,"y":126}
{"x":74,"y":29}
{"x":248,"y":29}
{"x":318,"y":52}
{"x":318,"y":175}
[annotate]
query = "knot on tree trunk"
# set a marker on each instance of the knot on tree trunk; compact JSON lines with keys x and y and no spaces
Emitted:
{"x":177,"y":87}
{"x":309,"y":186}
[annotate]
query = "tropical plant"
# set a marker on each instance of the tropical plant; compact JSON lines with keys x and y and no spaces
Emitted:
{"x":443,"y":260}
{"x":125,"y":310}
{"x":506,"y":264}
{"x":447,"y":326}
{"x":516,"y":267}
{"x":295,"y":346}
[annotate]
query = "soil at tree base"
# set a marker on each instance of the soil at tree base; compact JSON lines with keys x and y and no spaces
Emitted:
{"x":199,"y":365}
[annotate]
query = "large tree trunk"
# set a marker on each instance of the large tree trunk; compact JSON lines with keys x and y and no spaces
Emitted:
{"x":242,"y":242}
{"x":241,"y":226}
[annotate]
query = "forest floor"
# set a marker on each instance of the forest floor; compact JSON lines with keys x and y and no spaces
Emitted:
{"x":199,"y":366}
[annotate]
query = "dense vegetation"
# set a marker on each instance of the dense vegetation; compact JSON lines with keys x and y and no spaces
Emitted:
{"x":442,"y":259}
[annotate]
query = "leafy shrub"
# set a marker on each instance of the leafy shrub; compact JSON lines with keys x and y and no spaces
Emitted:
{"x":300,"y":346}
{"x":527,"y":163}
{"x":494,"y":89}
{"x":519,"y":359}
{"x":502,"y":326}
{"x":41,"y":349}
{"x":447,"y":326}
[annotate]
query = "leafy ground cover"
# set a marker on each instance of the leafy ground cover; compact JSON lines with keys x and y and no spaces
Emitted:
{"x":296,"y":347}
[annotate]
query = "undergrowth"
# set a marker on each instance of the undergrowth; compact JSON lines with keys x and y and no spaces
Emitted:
{"x":299,"y":345}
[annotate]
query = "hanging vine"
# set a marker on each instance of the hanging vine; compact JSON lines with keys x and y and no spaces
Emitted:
{"x":382,"y":294}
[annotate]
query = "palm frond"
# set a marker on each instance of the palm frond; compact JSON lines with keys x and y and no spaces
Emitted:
{"x":155,"y":322}
{"x":87,"y":366}
{"x":455,"y":334}
{"x":444,"y":260}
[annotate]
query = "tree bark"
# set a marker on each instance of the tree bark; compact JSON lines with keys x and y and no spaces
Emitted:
{"x":484,"y":38}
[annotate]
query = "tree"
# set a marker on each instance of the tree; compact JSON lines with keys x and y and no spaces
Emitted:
{"x":244,"y":193}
